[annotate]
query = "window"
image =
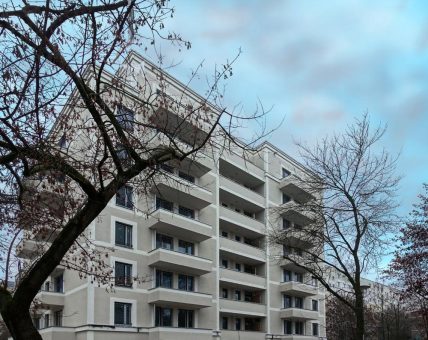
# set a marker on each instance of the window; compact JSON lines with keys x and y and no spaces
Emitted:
{"x":224,"y":263}
{"x":252,"y":324}
{"x":288,"y":327}
{"x":237,"y":238}
{"x":163,"y":279}
{"x":285,"y":198}
{"x":123,"y":234}
{"x":62,"y":143}
{"x":238,"y":324}
{"x":286,"y":223}
{"x":185,"y":282}
{"x":238,"y":267}
{"x":123,"y":274}
{"x":167,"y":168}
{"x":249,"y":296}
{"x":297,"y":226}
{"x":224,"y":293}
{"x":285,"y":173}
{"x":164,"y":242}
{"x":314,"y":282}
{"x":286,"y":250}
{"x":47,"y":286}
{"x":59,"y":284}
{"x":249,"y":214}
{"x":190,"y":213}
{"x":298,"y":327}
{"x":224,"y":234}
{"x":122,"y":154}
{"x":315,"y":329}
{"x":287,"y":301}
{"x":124,"y":197}
{"x":250,"y":269}
{"x":122,"y":313}
{"x":298,"y":302}
{"x":125,"y":118}
{"x":47,"y":323}
{"x":299,"y":277}
{"x":237,"y":295}
{"x":298,"y":251}
{"x":163,"y":317}
{"x":224,"y":322}
{"x":186,"y":177}
{"x":164,"y":204}
{"x":315,"y":305}
{"x":186,"y":247}
{"x":58,"y":318}
{"x":287,"y":276}
{"x":185,"y":318}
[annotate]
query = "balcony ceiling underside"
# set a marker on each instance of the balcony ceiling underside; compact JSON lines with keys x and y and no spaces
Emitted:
{"x":293,"y":190}
{"x":235,"y":228}
{"x":175,"y":229}
{"x":183,"y":195}
{"x":230,"y":170}
{"x":238,"y":201}
{"x":231,"y":254}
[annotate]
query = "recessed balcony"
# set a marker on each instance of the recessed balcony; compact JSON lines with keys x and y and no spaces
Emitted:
{"x":165,"y":221}
{"x":298,"y":314}
{"x":179,"y":298}
{"x":170,"y":260}
{"x":242,"y":307}
{"x":232,"y":217}
{"x":242,"y":252}
{"x":242,"y":279}
{"x":293,"y":211}
{"x":294,"y":187}
{"x":298,"y":288}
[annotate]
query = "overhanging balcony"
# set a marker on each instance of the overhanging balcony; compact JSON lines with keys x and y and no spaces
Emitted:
{"x":298,"y":288}
{"x":298,"y":314}
{"x":179,"y":298}
{"x":29,"y":249}
{"x":231,"y":163}
{"x":294,"y":187}
{"x":242,"y":252}
{"x":242,"y":279}
{"x":167,"y":222}
{"x":295,"y":212}
{"x":170,"y":260}
{"x":50,"y":299}
{"x":254,"y":199}
{"x":176,"y":189}
{"x":299,"y":238}
{"x":242,"y":307}
{"x":232,"y":217}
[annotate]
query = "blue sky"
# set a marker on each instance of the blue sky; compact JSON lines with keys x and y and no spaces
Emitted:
{"x":319,"y":65}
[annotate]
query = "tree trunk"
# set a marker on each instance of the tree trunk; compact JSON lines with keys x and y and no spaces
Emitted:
{"x":359,"y":314}
{"x":19,"y":323}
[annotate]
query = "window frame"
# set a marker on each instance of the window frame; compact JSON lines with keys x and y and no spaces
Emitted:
{"x":127,"y":234}
{"x":129,"y":197}
{"x":128,"y":281}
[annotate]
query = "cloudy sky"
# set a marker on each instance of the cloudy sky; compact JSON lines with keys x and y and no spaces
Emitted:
{"x":319,"y":65}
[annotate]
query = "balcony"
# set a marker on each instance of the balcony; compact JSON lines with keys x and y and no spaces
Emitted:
{"x":179,"y":298}
{"x":243,"y":335}
{"x":29,"y":249}
{"x":298,"y":288}
{"x":298,"y":238}
{"x":294,"y":187}
{"x":230,"y":162}
{"x":293,"y":211}
{"x":242,"y":279}
{"x":165,"y":221}
{"x":254,"y":200}
{"x":176,"y":189}
{"x":50,"y":299}
{"x":242,"y":307}
{"x":299,"y":314}
{"x":232,"y":217}
{"x":170,"y":260}
{"x":242,"y":252}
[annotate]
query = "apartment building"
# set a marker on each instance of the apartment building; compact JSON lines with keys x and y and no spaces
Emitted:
{"x":198,"y":244}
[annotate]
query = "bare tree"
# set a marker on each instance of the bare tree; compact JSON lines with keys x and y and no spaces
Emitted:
{"x":81,"y":118}
{"x":344,"y":228}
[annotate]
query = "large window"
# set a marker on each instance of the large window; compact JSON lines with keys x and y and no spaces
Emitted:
{"x":163,"y":317}
{"x":123,"y":274}
{"x":252,"y":324}
{"x":237,"y":324}
{"x":125,"y":118}
{"x":224,"y":322}
{"x":299,"y":327}
{"x":288,"y":327}
{"x":164,"y":204}
{"x":163,"y":279}
{"x":298,"y":302}
{"x":315,"y":305}
{"x":163,"y":241}
{"x":186,"y":247}
{"x":58,"y":318}
{"x":287,"y":276}
{"x":59,"y":284}
{"x":299,"y":277}
{"x":315,"y":330}
{"x":287,"y":301}
{"x":186,"y":282}
{"x":124,"y":197}
{"x":190,"y":213}
{"x":185,"y":318}
{"x":123,"y":235}
{"x":122,"y":313}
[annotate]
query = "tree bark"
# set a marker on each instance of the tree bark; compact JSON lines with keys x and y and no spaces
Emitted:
{"x":359,"y":314}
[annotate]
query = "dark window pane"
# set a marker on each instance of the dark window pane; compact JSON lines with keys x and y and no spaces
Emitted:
{"x":164,"y":241}
{"x":224,"y":323}
{"x":287,"y":301}
{"x":314,"y":329}
{"x":123,"y":274}
{"x":186,"y":247}
{"x":123,"y":235}
{"x":186,"y":177}
{"x":285,"y":198}
{"x":190,"y":213}
{"x":167,"y":168}
{"x":122,"y":313}
{"x":225,"y":293}
{"x":285,"y":173}
{"x":164,"y":279}
{"x":124,"y":197}
{"x":288,"y":327}
{"x":164,"y":204}
{"x":125,"y":118}
{"x":238,"y":324}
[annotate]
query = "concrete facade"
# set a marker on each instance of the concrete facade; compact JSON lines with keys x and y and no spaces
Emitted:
{"x":199,"y":240}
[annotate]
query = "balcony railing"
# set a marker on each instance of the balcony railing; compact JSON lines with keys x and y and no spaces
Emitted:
{"x":242,"y":185}
{"x":175,"y":212}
